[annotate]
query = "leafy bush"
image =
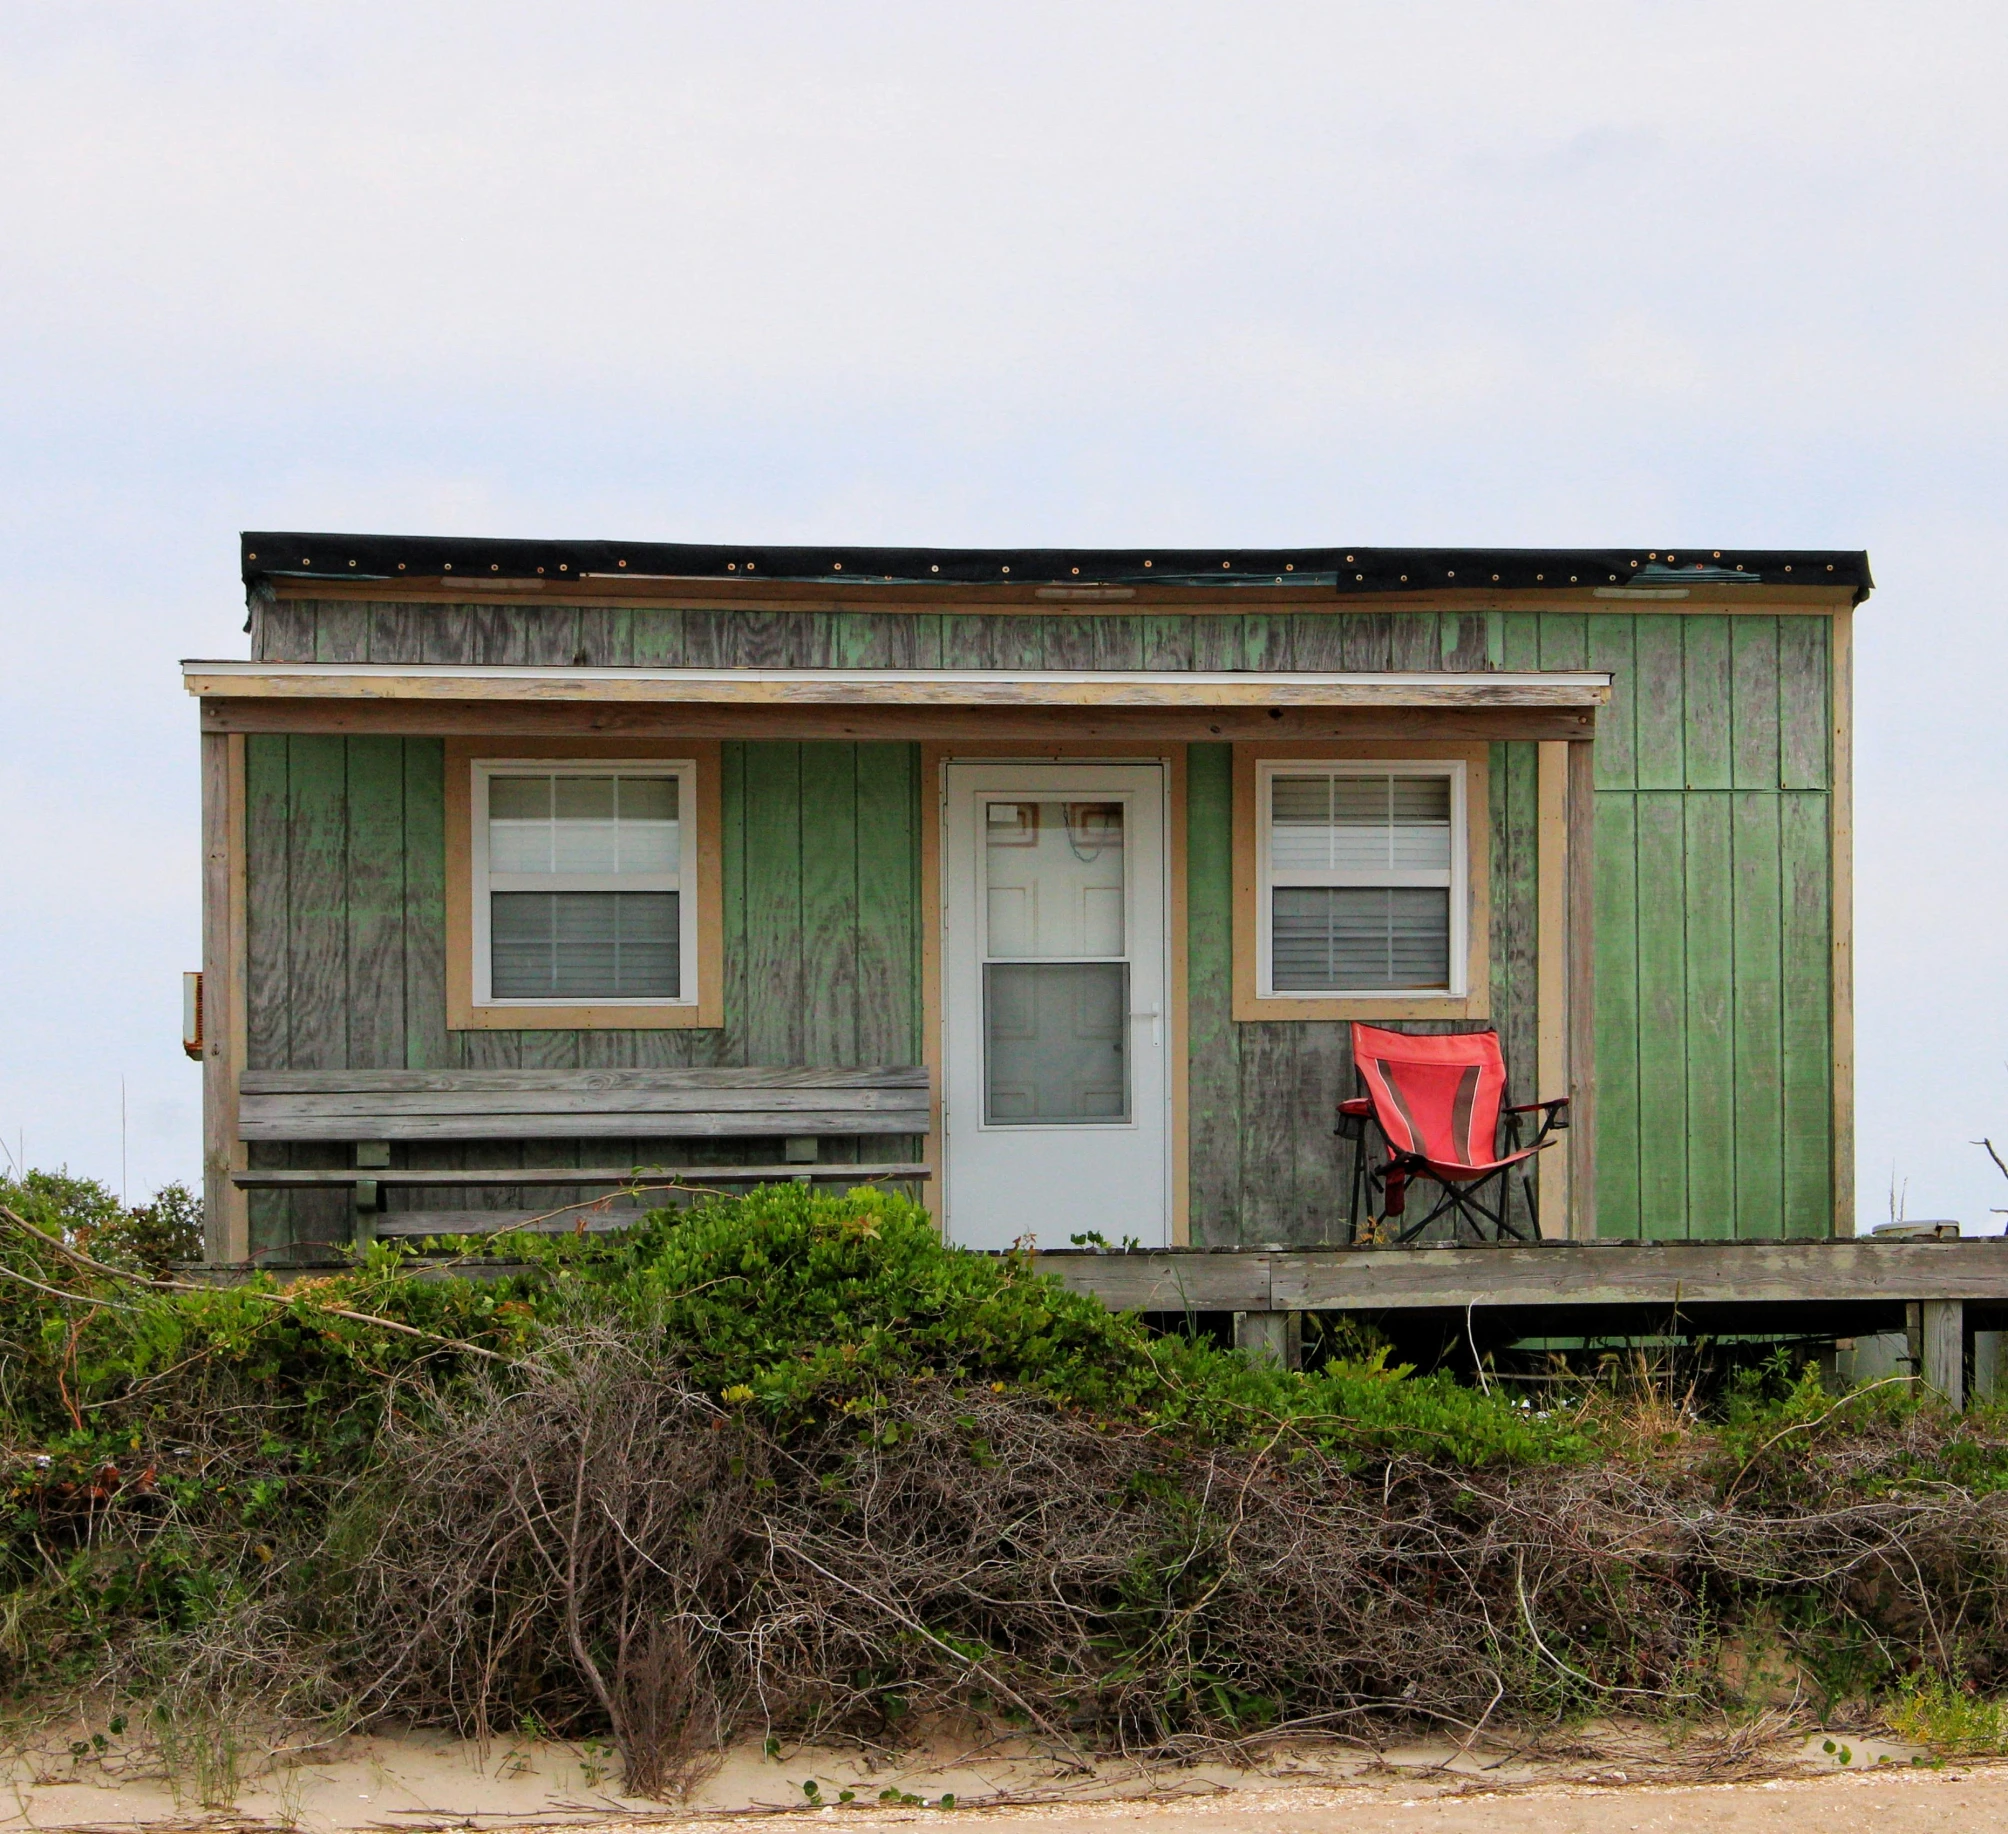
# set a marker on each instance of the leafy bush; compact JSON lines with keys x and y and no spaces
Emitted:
{"x":864,"y":1475}
{"x":153,"y":1235}
{"x":1952,"y":1720}
{"x":812,"y":1301}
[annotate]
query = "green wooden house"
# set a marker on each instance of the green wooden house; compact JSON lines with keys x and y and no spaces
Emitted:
{"x":1046,"y":882}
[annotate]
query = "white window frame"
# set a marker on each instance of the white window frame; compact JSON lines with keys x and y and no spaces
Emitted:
{"x":684,"y":881}
{"x":1267,"y":879}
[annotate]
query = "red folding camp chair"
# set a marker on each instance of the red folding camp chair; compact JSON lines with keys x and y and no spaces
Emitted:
{"x":1435,"y":1103}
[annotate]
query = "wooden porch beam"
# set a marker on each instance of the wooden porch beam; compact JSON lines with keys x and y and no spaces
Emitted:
{"x":226,"y":1226}
{"x":918,"y":725}
{"x":959,"y":688}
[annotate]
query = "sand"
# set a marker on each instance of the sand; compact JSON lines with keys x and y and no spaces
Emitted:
{"x":1605,"y":1779}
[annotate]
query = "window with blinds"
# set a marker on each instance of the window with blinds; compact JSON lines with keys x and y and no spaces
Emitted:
{"x":1363,"y":875}
{"x":582,"y":896}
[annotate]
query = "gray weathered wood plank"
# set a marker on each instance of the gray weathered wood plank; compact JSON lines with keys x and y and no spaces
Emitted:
{"x":276,"y":1108}
{"x":436,"y":1179}
{"x":507,"y":1128}
{"x":1550,"y":1274}
{"x":582,"y":1082}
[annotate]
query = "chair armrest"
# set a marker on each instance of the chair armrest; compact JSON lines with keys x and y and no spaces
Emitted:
{"x":1554,"y":1113}
{"x":1354,"y":1114}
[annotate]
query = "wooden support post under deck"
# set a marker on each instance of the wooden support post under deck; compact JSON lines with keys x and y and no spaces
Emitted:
{"x":1268,"y":1337}
{"x":1944,"y":1367}
{"x":1580,"y":873}
{"x":225,"y":1209}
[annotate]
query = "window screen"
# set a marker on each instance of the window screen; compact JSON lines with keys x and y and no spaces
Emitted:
{"x":1361,"y":870}
{"x":585,"y":892}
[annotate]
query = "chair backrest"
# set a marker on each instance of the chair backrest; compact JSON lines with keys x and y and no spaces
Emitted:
{"x":1438,"y":1096}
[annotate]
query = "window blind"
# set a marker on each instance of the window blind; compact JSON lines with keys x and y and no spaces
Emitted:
{"x":584,"y":886}
{"x":1360,"y":938}
{"x":1360,"y":870}
{"x":584,"y":946}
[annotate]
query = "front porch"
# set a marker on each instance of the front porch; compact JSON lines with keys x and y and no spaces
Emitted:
{"x":1944,"y":1294}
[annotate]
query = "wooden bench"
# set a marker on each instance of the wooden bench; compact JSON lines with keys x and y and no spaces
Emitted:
{"x":369,"y":1109}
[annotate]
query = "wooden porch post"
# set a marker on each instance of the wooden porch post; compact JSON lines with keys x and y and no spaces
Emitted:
{"x":1580,"y":871}
{"x":225,"y":1209}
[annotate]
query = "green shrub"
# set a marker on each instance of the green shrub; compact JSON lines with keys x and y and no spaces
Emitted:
{"x":1953,"y":1721}
{"x":83,"y":1212}
{"x":818,"y":1300}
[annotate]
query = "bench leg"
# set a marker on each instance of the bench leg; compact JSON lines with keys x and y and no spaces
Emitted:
{"x":371,"y":1156}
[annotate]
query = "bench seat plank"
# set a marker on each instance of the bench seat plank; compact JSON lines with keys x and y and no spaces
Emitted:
{"x":282,"y":1178}
{"x":270,"y":1110}
{"x":580,"y":1082}
{"x":254,"y":1124}
{"x":494,"y":1222}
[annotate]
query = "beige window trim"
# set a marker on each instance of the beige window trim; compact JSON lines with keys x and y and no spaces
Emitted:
{"x":462,"y":1014}
{"x":1249,"y":1002}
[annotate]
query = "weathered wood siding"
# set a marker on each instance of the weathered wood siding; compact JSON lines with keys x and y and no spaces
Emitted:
{"x":347,"y":925}
{"x":1714,"y":1035}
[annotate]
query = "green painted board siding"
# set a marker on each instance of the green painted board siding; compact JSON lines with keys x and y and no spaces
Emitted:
{"x":346,"y":926}
{"x":1714,"y":929}
{"x":1713,"y":897}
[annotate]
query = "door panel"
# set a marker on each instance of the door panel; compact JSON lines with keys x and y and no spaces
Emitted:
{"x":1053,"y":1003}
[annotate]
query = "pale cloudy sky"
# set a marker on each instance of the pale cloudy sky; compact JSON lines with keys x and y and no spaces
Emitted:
{"x":1655,"y":273}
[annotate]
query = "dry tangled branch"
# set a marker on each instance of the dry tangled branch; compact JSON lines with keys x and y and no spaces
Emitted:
{"x":594,"y":1538}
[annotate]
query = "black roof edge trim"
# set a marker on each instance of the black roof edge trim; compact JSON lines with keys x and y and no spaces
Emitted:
{"x":268,"y":555}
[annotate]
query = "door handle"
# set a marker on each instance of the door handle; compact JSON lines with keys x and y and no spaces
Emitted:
{"x":1155,"y":1014}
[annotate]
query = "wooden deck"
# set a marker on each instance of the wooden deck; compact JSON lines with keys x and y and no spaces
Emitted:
{"x":1563,"y":1275}
{"x":1938,"y":1293}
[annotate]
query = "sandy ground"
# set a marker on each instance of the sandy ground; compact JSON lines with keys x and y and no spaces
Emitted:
{"x":1608,"y":1780}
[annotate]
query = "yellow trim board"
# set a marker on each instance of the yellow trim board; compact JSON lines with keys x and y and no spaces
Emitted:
{"x":462,"y":1015}
{"x":1551,"y":957}
{"x":1249,"y":1003}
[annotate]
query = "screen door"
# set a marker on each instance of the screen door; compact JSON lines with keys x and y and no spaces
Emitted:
{"x":1054,"y":1003}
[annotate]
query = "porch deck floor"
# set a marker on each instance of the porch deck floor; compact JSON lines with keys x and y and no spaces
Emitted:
{"x":1712,"y":1279}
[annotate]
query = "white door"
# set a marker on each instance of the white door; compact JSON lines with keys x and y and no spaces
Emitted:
{"x":1053,"y":999}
